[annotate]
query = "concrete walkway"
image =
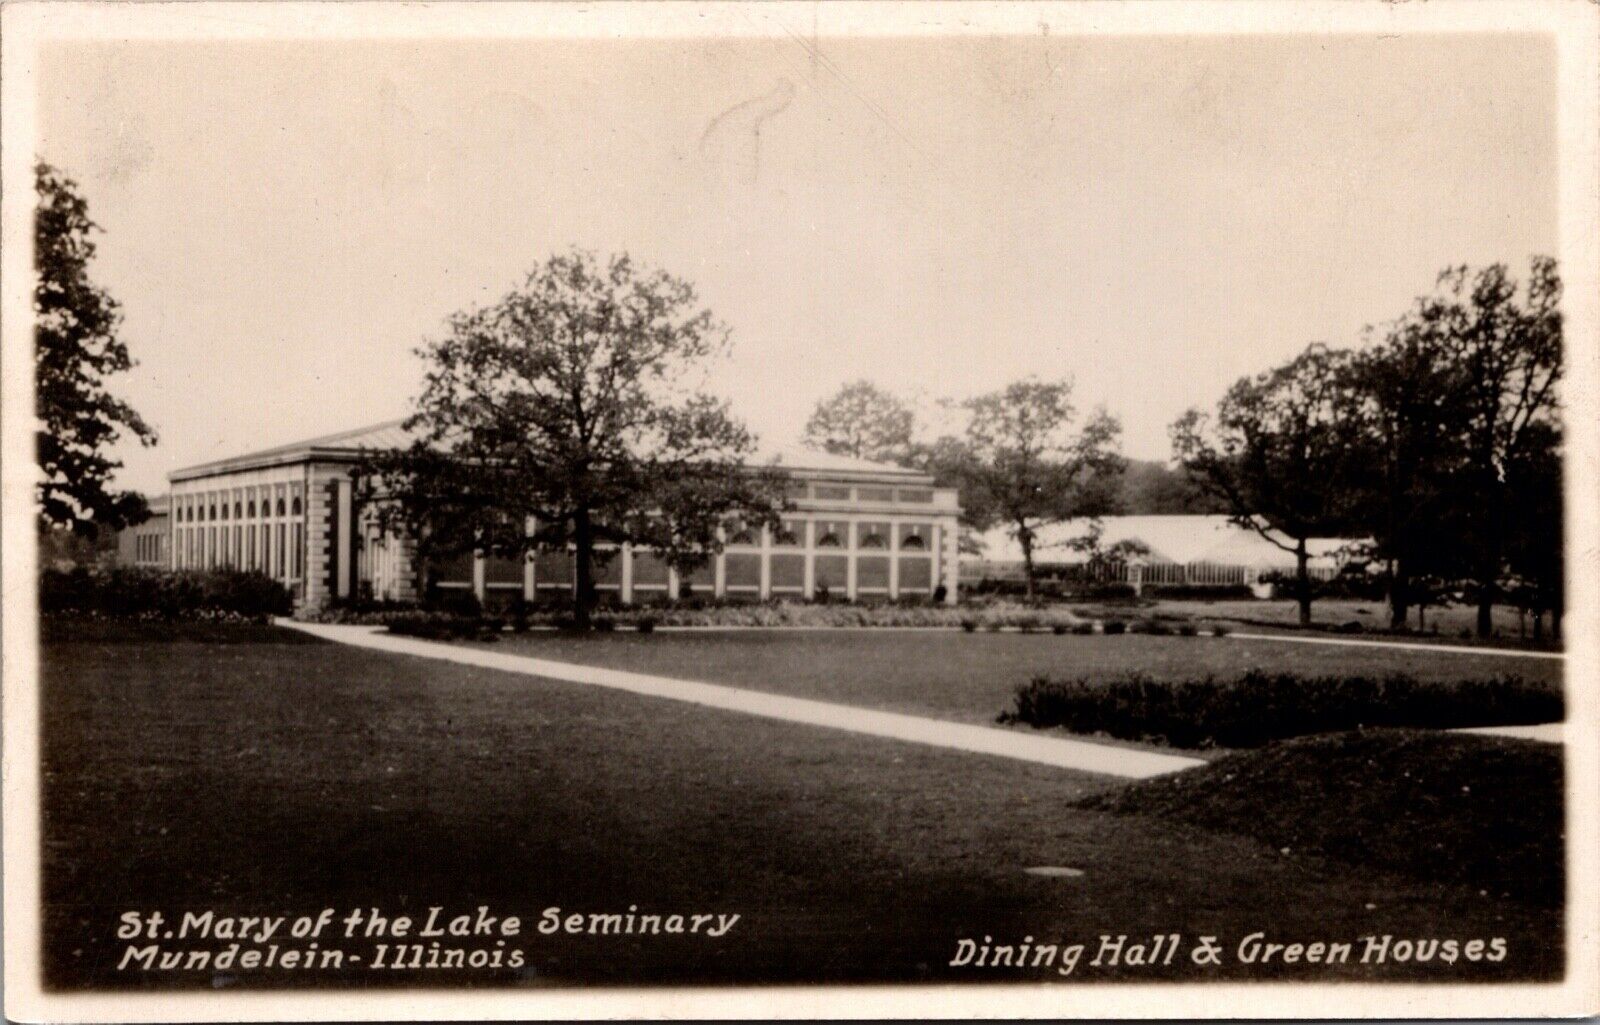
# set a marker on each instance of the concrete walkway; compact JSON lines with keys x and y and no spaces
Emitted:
{"x":1550,"y":732}
{"x":1447,"y":649}
{"x":1061,"y":752}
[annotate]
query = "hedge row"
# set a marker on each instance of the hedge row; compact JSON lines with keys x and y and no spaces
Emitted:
{"x":130,"y":593}
{"x":1261,"y":707}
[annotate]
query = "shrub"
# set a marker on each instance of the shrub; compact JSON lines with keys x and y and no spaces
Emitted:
{"x":1114,"y":626}
{"x":1200,"y":592}
{"x":646,"y":625}
{"x":145,"y":594}
{"x":1152,"y":627}
{"x":1059,"y":628}
{"x":1260,"y":707}
{"x":442,"y":626}
{"x":1188,"y":630}
{"x":456,"y":601}
{"x":1220,"y":629}
{"x":603,"y":624}
{"x":969,"y":624}
{"x":1083,"y":629}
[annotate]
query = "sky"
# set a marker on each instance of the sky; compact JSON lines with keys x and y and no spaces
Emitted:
{"x":1152,"y":217}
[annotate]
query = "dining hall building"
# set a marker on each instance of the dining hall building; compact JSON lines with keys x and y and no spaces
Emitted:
{"x":855,"y":530}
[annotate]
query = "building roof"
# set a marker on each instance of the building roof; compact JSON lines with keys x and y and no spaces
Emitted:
{"x":392,"y":434}
{"x":1176,"y":539}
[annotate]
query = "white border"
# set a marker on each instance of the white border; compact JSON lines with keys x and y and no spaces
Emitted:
{"x":26,"y":27}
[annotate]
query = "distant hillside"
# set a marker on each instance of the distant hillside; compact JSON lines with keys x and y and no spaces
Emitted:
{"x":1149,"y":488}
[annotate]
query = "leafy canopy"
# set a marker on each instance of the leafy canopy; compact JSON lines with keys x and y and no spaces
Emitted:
{"x":864,"y":421}
{"x":1025,"y":462}
{"x":575,"y":400}
{"x":75,"y":331}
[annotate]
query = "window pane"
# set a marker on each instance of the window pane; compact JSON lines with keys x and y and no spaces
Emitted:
{"x":872,"y":573}
{"x":743,"y":570}
{"x":788,"y":572}
{"x":916,"y":574}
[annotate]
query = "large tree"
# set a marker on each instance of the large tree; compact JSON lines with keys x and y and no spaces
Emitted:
{"x":862,"y":420}
{"x":1025,"y":462}
{"x":573,"y":402}
{"x":1284,"y":451}
{"x":1535,"y":552}
{"x":75,"y":332}
{"x":1409,"y":394}
{"x":1505,"y":342}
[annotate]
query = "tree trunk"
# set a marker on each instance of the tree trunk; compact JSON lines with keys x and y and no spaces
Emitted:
{"x":1399,"y":596}
{"x":1486,"y":609}
{"x":1489,"y":567}
{"x":1302,"y":581}
{"x":582,"y":569}
{"x":1025,"y":539}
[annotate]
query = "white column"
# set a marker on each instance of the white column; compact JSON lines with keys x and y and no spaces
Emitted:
{"x":672,"y":583}
{"x":894,"y":559}
{"x":719,"y":570}
{"x":480,"y":575}
{"x":850,"y":561}
{"x":766,"y":563}
{"x":530,"y":583}
{"x":949,"y":550}
{"x":341,"y":553}
{"x":810,"y":540}
{"x":626,"y":592}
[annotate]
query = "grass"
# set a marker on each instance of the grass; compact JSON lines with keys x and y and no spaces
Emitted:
{"x":285,"y":777}
{"x":1260,"y":707}
{"x":973,"y":677}
{"x":1483,"y":812}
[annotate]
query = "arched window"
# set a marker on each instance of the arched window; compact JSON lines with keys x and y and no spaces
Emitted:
{"x":211,"y":513}
{"x":912,"y":543}
{"x":741,"y":535}
{"x":238,"y":510}
{"x":874,"y":540}
{"x":296,"y":507}
{"x":829,"y":539}
{"x":251,"y":508}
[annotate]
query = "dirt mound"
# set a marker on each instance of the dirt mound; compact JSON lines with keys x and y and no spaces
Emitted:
{"x":1474,"y":810}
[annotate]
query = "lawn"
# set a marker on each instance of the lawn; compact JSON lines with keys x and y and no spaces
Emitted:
{"x":273,"y":776}
{"x":972,"y":677}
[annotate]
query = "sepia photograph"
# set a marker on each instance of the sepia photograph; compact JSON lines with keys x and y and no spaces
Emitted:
{"x":649,"y":510}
